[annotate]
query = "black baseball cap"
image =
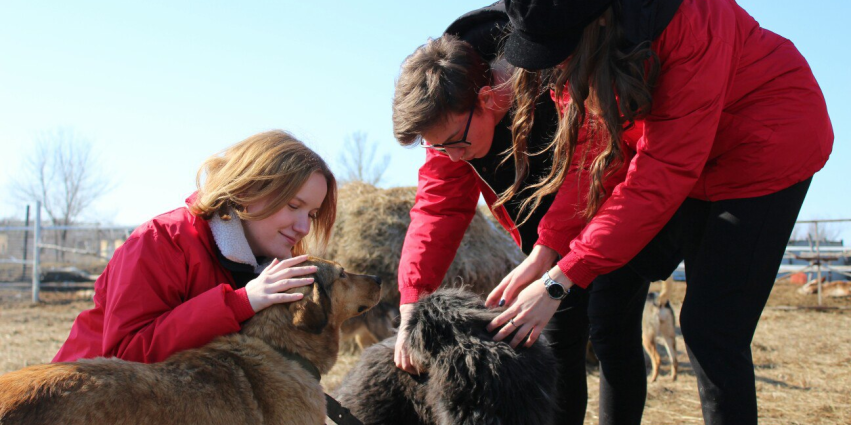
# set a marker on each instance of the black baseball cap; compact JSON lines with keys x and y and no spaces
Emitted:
{"x":546,"y":32}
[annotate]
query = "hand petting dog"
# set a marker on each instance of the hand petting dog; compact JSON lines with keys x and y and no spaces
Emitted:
{"x":531,"y":309}
{"x":268,"y":288}
{"x":402,"y":353}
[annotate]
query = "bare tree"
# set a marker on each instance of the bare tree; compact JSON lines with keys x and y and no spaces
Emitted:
{"x":64,"y":174}
{"x":826,"y":231}
{"x":359,"y":162}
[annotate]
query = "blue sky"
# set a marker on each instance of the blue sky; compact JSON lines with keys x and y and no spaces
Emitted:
{"x":159,"y":86}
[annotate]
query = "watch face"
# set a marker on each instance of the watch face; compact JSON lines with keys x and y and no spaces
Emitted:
{"x":556,"y":291}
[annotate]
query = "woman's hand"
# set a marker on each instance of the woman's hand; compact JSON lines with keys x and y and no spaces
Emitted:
{"x":531,"y":312}
{"x":266,"y":289}
{"x":533,"y":267}
{"x":402,"y":355}
{"x":529,"y":315}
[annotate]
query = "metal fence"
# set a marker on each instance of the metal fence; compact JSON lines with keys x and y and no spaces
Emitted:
{"x":817,"y":256}
{"x":34,"y":252}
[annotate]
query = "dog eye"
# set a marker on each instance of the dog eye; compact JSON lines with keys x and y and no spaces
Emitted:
{"x":342,"y":273}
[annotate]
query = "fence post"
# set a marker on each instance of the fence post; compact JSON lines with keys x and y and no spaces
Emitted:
{"x":818,"y":264}
{"x":36,"y":248}
{"x":26,"y":239}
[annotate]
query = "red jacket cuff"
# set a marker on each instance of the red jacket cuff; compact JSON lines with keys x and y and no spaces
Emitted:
{"x":576,"y":270}
{"x":550,"y":239}
{"x":410,"y":295}
{"x":237,"y":301}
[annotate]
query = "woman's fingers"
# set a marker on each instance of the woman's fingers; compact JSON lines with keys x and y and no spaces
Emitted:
{"x":517,"y":285}
{"x":513,"y":288}
{"x":496,"y":294}
{"x":278,"y":265}
{"x":408,"y":365}
{"x":291,"y":272}
{"x":533,"y":336}
{"x":402,"y":357}
{"x":521,"y":333}
{"x":287,"y":284}
{"x":506,"y":330}
{"x":289,"y":262}
{"x":503,"y":320}
{"x":285,"y":297}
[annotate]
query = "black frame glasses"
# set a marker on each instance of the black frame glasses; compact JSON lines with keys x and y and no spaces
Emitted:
{"x":441,"y":147}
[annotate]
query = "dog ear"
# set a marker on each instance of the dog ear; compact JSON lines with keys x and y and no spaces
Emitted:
{"x":311,"y":313}
{"x":428,"y":333}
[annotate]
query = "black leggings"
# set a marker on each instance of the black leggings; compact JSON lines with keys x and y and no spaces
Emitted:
{"x":732,"y":250}
{"x":610,"y":311}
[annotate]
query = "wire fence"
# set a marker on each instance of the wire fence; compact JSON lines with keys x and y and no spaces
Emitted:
{"x":34,"y":255}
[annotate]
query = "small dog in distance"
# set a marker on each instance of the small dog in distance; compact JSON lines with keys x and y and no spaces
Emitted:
{"x":659,"y":321}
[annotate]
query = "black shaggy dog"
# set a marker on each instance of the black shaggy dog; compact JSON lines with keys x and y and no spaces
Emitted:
{"x":471,"y":379}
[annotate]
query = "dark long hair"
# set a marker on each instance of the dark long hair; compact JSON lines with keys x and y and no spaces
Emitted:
{"x":615,"y":82}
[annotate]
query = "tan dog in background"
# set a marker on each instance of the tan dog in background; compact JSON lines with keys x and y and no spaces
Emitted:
{"x":659,"y":321}
{"x":267,"y":373}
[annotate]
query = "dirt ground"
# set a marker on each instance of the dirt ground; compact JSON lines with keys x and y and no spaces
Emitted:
{"x":802,"y":357}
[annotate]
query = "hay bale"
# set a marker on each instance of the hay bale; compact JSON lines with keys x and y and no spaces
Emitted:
{"x":368,"y":237}
{"x":370,"y":230}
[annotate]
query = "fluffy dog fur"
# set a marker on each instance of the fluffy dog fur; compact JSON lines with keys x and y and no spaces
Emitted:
{"x":658,"y":320}
{"x":471,"y":379}
{"x":236,"y":379}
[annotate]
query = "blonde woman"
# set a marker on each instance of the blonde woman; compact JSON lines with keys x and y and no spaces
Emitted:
{"x":198,"y":272}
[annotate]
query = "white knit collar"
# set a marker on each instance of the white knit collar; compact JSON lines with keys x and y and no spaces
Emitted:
{"x":230,"y":238}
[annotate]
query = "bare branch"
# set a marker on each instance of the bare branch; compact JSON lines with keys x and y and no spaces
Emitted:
{"x":62,"y":173}
{"x":359,"y":162}
{"x":826,"y":231}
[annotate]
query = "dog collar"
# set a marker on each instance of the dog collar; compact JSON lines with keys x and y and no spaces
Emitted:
{"x":306,"y":364}
{"x":333,"y":408}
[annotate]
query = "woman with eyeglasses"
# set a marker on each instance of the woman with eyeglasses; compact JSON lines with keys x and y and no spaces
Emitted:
{"x":451,"y":98}
{"x":706,"y":132}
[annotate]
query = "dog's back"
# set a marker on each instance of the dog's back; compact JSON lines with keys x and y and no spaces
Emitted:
{"x":377,"y":392}
{"x":471,"y":379}
{"x":186,"y":388}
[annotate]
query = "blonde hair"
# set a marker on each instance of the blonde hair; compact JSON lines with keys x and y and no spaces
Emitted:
{"x":273,"y":165}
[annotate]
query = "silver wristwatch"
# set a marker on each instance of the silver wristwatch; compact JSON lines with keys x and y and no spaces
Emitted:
{"x":555,"y":290}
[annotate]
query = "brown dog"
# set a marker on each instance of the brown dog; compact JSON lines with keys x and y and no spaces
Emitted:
{"x":658,"y":320}
{"x":266,"y":374}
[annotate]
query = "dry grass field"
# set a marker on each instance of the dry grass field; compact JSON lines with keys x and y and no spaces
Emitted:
{"x":802,"y":357}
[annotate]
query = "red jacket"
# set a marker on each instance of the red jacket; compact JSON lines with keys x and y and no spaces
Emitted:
{"x":163,"y":291}
{"x":447,"y":195}
{"x":737,"y":113}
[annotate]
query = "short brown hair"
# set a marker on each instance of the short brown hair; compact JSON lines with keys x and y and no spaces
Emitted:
{"x":442,"y":76}
{"x":272,"y":164}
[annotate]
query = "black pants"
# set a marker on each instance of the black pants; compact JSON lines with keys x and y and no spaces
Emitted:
{"x":609,"y":312}
{"x":732,"y":250}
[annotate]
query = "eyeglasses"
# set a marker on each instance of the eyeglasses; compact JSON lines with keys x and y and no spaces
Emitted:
{"x":441,"y":147}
